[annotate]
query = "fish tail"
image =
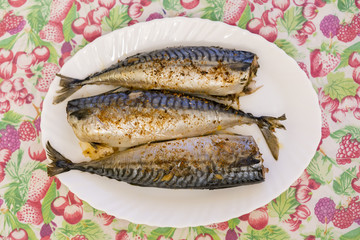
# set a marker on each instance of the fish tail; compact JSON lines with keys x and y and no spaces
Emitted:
{"x":267,"y":127}
{"x":68,"y":87}
{"x":59,"y":163}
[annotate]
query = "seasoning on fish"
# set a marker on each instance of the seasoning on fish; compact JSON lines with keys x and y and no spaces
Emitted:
{"x":208,"y":162}
{"x":203,"y":70}
{"x":130,"y":118}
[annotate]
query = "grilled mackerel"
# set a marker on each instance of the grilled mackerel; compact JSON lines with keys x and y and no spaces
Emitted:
{"x":208,"y":162}
{"x":210,"y":71}
{"x":130,"y":118}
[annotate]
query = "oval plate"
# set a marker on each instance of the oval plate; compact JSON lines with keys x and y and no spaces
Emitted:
{"x":285,"y":89}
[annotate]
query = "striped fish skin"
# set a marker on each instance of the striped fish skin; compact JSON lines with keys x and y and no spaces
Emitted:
{"x":208,"y":162}
{"x":201,"y":70}
{"x":130,"y":118}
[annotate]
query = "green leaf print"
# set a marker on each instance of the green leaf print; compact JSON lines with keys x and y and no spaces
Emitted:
{"x":292,"y":20}
{"x":354,"y":131}
{"x":88,"y":228}
{"x":288,"y":47}
{"x":211,"y":232}
{"x":38,"y":14}
{"x":354,"y":234}
{"x":214,"y":11}
{"x":70,"y":17}
{"x":342,"y":184}
{"x":283,"y":205}
{"x":324,"y":234}
{"x":167,"y":232}
{"x":320,"y":169}
{"x":10,"y":117}
{"x":346,"y":54}
{"x":347,"y":6}
{"x":173,"y":5}
{"x":9,"y":42}
{"x":118,"y":18}
{"x":4,"y":4}
{"x":270,"y":232}
{"x":233,"y":223}
{"x":245,"y":17}
{"x":339,"y":87}
{"x":48,"y":215}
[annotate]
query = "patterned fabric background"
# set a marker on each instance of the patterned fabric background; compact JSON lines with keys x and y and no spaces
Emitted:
{"x":38,"y":36}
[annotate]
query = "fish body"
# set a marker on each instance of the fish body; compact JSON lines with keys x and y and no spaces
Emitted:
{"x":130,"y":118}
{"x":207,"y":162}
{"x":209,"y":71}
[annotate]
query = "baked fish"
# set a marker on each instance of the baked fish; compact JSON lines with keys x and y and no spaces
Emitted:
{"x":207,"y":162}
{"x":134,"y":117}
{"x":209,"y":71}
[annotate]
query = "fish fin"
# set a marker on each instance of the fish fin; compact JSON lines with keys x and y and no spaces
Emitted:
{"x":69,"y":86}
{"x":116,"y":90}
{"x":267,"y":127}
{"x":81,"y":114}
{"x":59,"y":163}
{"x":96,"y":145}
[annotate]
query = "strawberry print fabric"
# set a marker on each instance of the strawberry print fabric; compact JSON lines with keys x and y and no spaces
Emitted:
{"x":38,"y":36}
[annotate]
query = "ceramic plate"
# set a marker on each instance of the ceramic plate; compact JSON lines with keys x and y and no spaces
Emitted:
{"x":285,"y":89}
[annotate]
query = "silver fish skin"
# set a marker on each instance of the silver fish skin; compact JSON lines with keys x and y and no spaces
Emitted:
{"x":132,"y":118}
{"x":207,"y":162}
{"x":201,"y":70}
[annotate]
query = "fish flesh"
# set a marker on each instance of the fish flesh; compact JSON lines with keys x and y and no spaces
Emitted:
{"x":129,"y":118}
{"x":212,"y":71}
{"x":207,"y":162}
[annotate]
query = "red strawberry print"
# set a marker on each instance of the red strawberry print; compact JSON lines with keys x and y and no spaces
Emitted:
{"x":349,"y":148}
{"x":233,"y":10}
{"x":38,"y":185}
{"x":52,"y":32}
{"x":325,"y":131}
{"x":321,"y":63}
{"x":11,"y":21}
{"x":355,"y":183}
{"x":30,"y":213}
{"x":5,"y":155}
{"x":343,"y":218}
{"x":37,"y":152}
{"x":79,"y":237}
{"x":302,"y":212}
{"x":356,"y":23}
{"x":59,"y":9}
{"x":354,"y":207}
{"x":346,"y":33}
{"x":304,"y":68}
{"x":48,"y":74}
{"x":106,"y":219}
{"x":27,"y":131}
{"x":2,"y":28}
{"x":123,"y":235}
{"x":222,"y":226}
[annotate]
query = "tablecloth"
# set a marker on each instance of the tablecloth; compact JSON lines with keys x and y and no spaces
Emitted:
{"x":38,"y":36}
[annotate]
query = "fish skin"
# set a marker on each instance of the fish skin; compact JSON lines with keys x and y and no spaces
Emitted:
{"x":201,"y":70}
{"x":130,"y":118}
{"x":207,"y":162}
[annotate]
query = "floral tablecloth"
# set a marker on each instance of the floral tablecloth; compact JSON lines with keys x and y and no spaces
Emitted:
{"x":38,"y":36}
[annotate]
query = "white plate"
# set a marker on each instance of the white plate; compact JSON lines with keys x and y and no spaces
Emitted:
{"x":286,"y":89}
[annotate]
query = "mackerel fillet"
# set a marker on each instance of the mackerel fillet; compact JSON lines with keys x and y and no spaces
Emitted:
{"x":131,"y":118}
{"x":210,"y":71}
{"x":207,"y":162}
